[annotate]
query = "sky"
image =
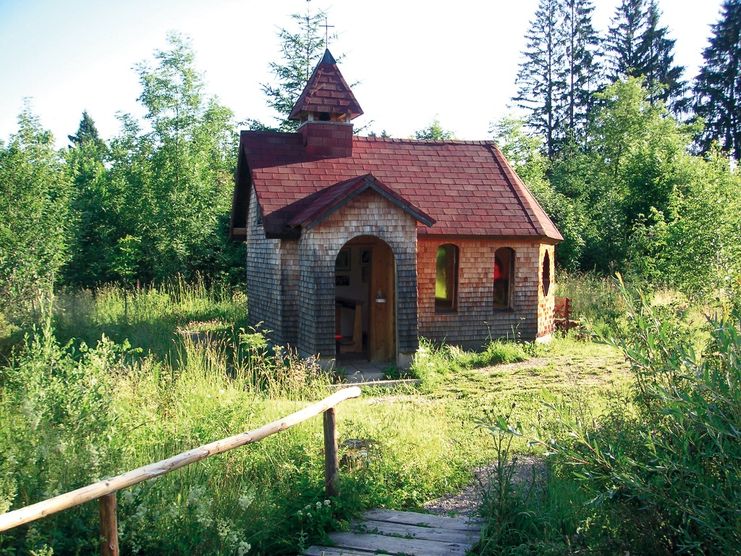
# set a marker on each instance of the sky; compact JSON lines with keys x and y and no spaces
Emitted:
{"x":413,"y":61}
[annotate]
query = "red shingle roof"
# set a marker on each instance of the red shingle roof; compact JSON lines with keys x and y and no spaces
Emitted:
{"x":326,"y":91}
{"x":312,"y":210}
{"x":468,"y":187}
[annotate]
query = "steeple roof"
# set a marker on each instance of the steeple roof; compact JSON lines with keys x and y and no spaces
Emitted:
{"x":327,"y":92}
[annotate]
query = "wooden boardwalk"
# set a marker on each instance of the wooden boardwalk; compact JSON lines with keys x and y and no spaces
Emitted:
{"x":408,"y":533}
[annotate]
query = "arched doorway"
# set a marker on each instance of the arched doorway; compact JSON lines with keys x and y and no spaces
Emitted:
{"x":365,"y":300}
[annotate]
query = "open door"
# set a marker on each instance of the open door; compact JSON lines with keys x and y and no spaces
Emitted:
{"x":365,"y":301}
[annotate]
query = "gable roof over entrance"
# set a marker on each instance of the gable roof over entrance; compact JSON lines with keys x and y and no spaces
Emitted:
{"x":314,"y":209}
{"x":466,"y":187}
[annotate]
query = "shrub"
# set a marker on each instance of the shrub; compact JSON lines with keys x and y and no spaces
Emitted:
{"x":664,"y":469}
{"x":55,"y":408}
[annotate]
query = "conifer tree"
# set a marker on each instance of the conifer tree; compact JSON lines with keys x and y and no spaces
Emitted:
{"x":301,"y":49}
{"x":85,"y":131}
{"x":582,"y":42}
{"x":624,"y":38}
{"x":541,"y":80}
{"x":638,"y":46}
{"x":718,"y":85}
{"x":656,"y":50}
{"x":86,"y":158}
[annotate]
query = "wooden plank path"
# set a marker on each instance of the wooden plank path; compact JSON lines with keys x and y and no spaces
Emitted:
{"x":408,"y":533}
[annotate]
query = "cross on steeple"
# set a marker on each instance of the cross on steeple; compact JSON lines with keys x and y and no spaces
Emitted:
{"x":326,"y":32}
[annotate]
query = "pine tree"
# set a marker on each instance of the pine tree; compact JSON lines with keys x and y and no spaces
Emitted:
{"x":301,"y":49}
{"x":541,"y":78}
{"x":718,"y":85}
{"x":582,"y":42}
{"x":638,"y":46}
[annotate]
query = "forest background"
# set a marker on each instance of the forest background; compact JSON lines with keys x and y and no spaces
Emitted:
{"x":636,"y":163}
{"x":123,"y":333}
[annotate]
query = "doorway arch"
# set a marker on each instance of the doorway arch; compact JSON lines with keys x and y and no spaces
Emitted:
{"x":365,"y":300}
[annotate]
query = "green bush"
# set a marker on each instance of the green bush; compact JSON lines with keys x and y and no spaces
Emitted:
{"x":56,"y":408}
{"x":663,"y":469}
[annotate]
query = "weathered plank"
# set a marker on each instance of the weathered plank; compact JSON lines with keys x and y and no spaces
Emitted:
{"x":396,"y":545}
{"x":408,"y":533}
{"x":413,"y":531}
{"x":335,"y":551}
{"x":424,"y":520}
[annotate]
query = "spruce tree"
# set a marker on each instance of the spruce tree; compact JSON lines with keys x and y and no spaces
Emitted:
{"x":656,"y":51}
{"x":86,"y":158}
{"x":86,"y":131}
{"x":718,"y":85}
{"x":581,"y":41}
{"x":638,"y":46}
{"x":541,"y":80}
{"x":624,"y":38}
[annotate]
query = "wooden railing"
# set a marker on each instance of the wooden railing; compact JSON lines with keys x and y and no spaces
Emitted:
{"x":105,"y":491}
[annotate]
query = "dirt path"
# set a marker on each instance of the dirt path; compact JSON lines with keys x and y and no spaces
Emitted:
{"x":469,"y":500}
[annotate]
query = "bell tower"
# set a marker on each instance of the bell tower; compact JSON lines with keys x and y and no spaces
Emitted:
{"x":325,"y":109}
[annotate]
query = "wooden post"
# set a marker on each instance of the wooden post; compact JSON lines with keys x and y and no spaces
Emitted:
{"x":331,"y":464}
{"x":108,"y":525}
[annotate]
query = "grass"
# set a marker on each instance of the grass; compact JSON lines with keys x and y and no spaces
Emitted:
{"x":155,"y":318}
{"x":176,"y":371}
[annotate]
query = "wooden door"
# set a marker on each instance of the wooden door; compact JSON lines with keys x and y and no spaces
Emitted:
{"x":382,"y":326}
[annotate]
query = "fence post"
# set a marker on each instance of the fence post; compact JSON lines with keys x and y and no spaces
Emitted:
{"x":108,"y":525}
{"x":331,"y":464}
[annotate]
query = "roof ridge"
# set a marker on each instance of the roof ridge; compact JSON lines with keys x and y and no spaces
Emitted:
{"x":479,"y":142}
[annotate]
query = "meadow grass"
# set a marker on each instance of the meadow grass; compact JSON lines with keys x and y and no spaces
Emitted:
{"x":155,"y":318}
{"x":171,"y":368}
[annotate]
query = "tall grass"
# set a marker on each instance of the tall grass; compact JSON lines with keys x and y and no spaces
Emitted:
{"x":657,"y":470}
{"x":155,"y":317}
{"x":181,"y":373}
{"x":595,"y":299}
{"x":435,"y":361}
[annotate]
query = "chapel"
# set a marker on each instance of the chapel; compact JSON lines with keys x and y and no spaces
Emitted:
{"x":358,"y":246}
